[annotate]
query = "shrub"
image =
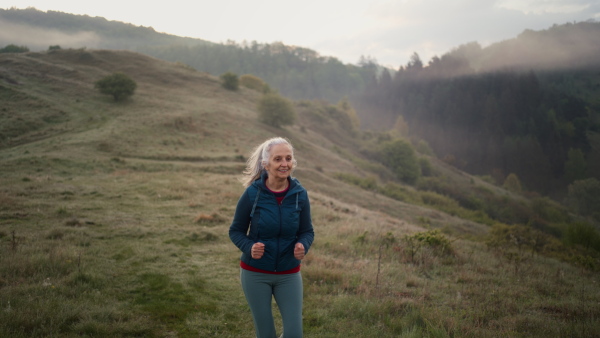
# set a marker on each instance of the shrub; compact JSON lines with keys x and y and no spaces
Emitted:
{"x":400,"y":193}
{"x":54,"y":47}
{"x":424,"y":148}
{"x":350,"y":114}
{"x":435,"y":240}
{"x":584,"y":197}
{"x":14,"y":49}
{"x":275,"y":110}
{"x":504,"y":237}
{"x":549,"y":210}
{"x":253,"y":82}
{"x":426,"y":167}
{"x":230,"y":81}
{"x":512,"y":183}
{"x":400,"y":157}
{"x":432,"y":239}
{"x":583,"y":234}
{"x":119,"y":85}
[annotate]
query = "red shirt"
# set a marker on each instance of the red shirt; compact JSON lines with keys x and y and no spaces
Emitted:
{"x":250,"y":268}
{"x":279,"y":195}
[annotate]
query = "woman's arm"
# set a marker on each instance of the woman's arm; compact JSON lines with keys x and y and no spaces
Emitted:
{"x":238,"y":231}
{"x":306,"y":233}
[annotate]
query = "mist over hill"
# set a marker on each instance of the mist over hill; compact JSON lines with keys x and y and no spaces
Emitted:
{"x":38,"y":30}
{"x":503,"y":109}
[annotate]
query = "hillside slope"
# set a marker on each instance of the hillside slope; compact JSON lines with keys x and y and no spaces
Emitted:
{"x":177,"y":114}
{"x":114,"y":218}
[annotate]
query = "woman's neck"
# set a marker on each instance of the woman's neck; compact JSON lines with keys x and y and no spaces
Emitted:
{"x":277,"y":184}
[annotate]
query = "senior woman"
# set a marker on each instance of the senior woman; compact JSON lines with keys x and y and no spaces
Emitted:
{"x":272,"y":227}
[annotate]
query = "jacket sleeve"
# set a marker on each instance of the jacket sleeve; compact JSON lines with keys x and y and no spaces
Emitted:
{"x":306,"y":233}
{"x":241,"y":221}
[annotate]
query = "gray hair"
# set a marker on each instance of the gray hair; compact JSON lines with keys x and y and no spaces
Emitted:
{"x":260,"y":158}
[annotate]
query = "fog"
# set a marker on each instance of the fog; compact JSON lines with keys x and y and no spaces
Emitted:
{"x":36,"y":38}
{"x":550,"y":49}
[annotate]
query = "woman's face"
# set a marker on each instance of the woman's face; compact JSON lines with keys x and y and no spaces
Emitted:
{"x":280,"y":162}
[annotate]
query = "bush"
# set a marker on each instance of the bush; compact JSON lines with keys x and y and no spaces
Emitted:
{"x":368,"y":183}
{"x":400,"y":157}
{"x":513,"y":184}
{"x":14,"y":49}
{"x":584,"y":197}
{"x":350,"y":113}
{"x":523,"y":238}
{"x":54,"y":47}
{"x":423,"y":147}
{"x":230,"y":81}
{"x":426,"y":167}
{"x":275,"y":110}
{"x":400,"y":193}
{"x":432,"y":239}
{"x":119,"y":85}
{"x":253,"y":82}
{"x":583,"y":234}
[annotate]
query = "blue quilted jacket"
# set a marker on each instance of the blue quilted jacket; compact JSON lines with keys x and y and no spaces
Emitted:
{"x":259,"y":218}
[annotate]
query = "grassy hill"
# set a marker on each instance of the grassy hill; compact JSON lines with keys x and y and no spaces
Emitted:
{"x":114,"y":219}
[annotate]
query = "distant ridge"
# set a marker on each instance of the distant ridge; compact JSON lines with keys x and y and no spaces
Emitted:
{"x":38,"y":29}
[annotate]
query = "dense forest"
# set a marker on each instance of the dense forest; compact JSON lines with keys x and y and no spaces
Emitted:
{"x":527,"y":106}
{"x":296,"y":72}
{"x":485,"y":114}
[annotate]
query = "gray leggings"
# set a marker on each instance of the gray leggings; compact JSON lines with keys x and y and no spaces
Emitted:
{"x":259,"y":289}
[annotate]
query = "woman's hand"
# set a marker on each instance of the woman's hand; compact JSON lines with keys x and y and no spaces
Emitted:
{"x":258,"y":250}
{"x":299,"y":251}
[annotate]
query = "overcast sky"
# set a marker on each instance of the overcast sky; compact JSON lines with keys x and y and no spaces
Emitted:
{"x":389,"y":31}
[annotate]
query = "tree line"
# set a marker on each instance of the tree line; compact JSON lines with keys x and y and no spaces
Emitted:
{"x":542,"y":125}
{"x":296,"y":72}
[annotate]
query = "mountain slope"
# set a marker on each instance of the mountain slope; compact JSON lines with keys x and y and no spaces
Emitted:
{"x":114,"y":218}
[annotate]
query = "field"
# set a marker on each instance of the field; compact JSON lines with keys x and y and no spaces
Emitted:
{"x":114,"y":220}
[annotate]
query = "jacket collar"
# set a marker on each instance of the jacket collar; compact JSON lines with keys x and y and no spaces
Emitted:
{"x":295,"y":185}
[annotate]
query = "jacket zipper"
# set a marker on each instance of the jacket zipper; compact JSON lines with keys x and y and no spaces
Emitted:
{"x":279,"y":235}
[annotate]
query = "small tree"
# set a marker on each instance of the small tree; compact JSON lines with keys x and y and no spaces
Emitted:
{"x":512,"y":183}
{"x":230,"y":81}
{"x":119,"y":85}
{"x":401,"y":158}
{"x":276,"y":110}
